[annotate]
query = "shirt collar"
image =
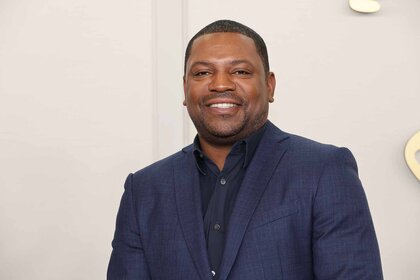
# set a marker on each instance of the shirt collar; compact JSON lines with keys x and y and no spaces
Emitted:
{"x":251,"y":144}
{"x":247,"y":145}
{"x":199,"y":155}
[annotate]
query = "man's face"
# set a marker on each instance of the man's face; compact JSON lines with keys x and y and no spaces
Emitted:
{"x":226,"y":88}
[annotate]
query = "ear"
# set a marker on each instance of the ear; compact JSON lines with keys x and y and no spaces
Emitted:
{"x":185,"y":90}
{"x":271,"y":86}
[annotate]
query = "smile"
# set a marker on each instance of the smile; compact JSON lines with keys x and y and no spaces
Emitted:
{"x":223,"y":105}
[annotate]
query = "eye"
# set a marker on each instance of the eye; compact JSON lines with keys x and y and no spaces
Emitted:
{"x":201,"y":73}
{"x":241,"y":72}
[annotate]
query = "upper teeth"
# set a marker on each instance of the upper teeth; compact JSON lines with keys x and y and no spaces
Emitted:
{"x":223,"y":105}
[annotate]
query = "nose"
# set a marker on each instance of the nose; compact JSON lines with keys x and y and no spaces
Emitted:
{"x":221,"y":82}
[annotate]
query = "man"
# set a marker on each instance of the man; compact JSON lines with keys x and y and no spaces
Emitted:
{"x":245,"y":200}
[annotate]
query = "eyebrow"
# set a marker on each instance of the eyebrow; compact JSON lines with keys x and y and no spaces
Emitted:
{"x":205,"y":63}
{"x":239,"y":61}
{"x":233,"y":62}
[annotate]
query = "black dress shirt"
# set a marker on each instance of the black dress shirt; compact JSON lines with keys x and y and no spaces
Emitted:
{"x":219,"y":190}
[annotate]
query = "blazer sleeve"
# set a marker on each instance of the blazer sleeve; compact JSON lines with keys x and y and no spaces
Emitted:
{"x":127,"y":259}
{"x":344,"y":241}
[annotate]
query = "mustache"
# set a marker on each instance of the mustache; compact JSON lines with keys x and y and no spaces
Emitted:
{"x":225,"y":94}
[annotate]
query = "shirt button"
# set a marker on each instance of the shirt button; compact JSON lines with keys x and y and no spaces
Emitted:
{"x":216,"y":227}
{"x":213,"y":273}
{"x":223,"y":181}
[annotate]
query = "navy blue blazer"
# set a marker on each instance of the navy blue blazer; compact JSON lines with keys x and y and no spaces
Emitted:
{"x":301,"y":213}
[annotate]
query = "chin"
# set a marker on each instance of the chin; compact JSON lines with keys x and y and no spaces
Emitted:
{"x":228,"y":132}
{"x":225,"y":130}
{"x":224,"y":136}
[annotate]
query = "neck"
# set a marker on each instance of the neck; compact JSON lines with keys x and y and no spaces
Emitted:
{"x":217,"y":153}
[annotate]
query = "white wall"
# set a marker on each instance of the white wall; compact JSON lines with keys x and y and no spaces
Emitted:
{"x":75,"y":117}
{"x":91,"y":90}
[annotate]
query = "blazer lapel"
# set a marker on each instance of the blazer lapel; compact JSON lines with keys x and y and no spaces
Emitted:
{"x":260,"y":170}
{"x":187,"y":195}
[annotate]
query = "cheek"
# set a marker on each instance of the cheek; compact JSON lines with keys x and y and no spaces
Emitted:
{"x":257,"y":105}
{"x":193,"y":102}
{"x":190,"y":98}
{"x":195,"y":92}
{"x":255,"y":96}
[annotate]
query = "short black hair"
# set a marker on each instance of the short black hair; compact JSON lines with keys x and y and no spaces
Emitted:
{"x":225,"y":25}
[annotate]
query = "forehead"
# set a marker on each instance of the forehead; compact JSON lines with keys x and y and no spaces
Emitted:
{"x":223,"y":44}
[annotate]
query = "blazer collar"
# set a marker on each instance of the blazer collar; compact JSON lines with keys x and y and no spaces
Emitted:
{"x":259,"y":172}
{"x":187,"y":195}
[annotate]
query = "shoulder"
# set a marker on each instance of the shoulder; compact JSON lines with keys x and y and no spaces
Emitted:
{"x":313,"y":150}
{"x":307,"y":152}
{"x":308,"y":164}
